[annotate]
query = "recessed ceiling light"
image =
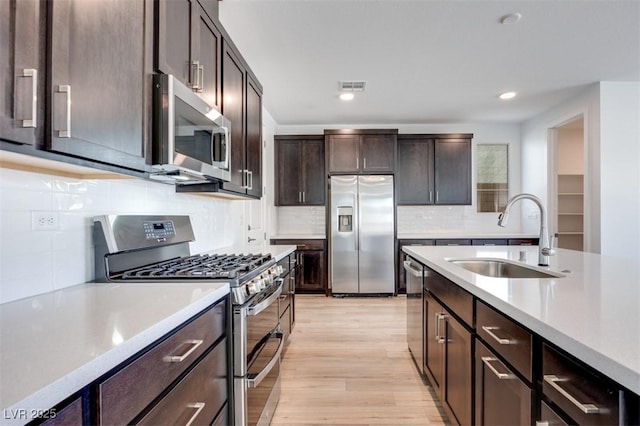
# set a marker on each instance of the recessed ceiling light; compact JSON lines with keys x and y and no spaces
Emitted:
{"x":507,"y":95}
{"x":348,"y":96}
{"x":510,"y":18}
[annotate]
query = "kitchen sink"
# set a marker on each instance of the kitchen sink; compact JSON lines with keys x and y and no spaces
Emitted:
{"x":502,"y":268}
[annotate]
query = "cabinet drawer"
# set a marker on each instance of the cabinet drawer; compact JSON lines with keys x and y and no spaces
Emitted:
{"x":583,"y":395}
{"x":302,"y":244}
{"x":198,"y":397}
{"x":506,"y":337}
{"x":150,"y":374}
{"x":489,"y":242}
{"x":548,"y":417}
{"x":223,"y":417}
{"x":454,"y":297}
{"x":502,"y":398}
{"x":523,"y":242}
{"x":453,"y":242}
{"x":71,"y":414}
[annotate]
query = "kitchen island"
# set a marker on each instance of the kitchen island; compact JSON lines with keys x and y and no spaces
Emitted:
{"x":590,"y":311}
{"x":56,"y":343}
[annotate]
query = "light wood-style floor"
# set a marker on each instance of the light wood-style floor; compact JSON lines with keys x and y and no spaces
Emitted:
{"x":347,"y":363}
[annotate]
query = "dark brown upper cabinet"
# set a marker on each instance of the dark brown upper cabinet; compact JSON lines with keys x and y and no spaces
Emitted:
{"x":99,"y":91}
{"x":188,"y":47}
{"x":23,"y":74}
{"x":361,"y":151}
{"x":300,"y":178}
{"x":254,"y":137}
{"x":434,"y":169}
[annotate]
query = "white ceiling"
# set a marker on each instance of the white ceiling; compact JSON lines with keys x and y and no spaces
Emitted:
{"x":430,"y":61}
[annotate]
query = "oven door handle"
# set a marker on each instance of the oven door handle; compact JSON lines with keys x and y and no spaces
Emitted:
{"x":254,"y":380}
{"x":255,"y":310}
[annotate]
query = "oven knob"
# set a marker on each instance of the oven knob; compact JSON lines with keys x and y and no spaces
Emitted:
{"x":259,"y":283}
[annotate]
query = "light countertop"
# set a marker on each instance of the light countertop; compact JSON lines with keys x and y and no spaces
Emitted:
{"x":461,"y":235}
{"x":278,"y":252}
{"x":298,"y":237}
{"x":593,"y":313}
{"x":56,"y":343}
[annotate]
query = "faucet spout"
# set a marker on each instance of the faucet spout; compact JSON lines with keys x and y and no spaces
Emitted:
{"x":545,"y":249}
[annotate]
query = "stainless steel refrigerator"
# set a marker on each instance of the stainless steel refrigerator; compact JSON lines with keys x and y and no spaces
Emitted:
{"x":362,"y":234}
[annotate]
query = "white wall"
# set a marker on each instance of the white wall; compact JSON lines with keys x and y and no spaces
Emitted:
{"x":620,"y":165}
{"x":453,"y":219}
{"x":611,"y":113}
{"x":34,"y":262}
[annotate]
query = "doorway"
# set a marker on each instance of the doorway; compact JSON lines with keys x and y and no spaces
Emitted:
{"x":570,"y":184}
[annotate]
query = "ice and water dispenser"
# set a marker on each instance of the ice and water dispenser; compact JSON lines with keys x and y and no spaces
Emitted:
{"x":345,"y":219}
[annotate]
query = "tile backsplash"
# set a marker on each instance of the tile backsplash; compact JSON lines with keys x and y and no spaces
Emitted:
{"x":301,"y":220}
{"x":452,"y":220}
{"x":38,"y":261}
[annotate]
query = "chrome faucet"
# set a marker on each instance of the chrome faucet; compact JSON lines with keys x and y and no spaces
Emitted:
{"x":545,"y":246}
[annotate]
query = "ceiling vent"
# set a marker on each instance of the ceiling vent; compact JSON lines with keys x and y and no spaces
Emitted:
{"x":352,"y":86}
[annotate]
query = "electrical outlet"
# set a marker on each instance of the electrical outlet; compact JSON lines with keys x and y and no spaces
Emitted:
{"x":45,"y":221}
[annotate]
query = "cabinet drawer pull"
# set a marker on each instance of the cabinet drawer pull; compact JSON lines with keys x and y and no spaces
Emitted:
{"x":33,"y":74}
{"x":487,"y":360}
{"x":198,"y":406}
{"x":554,"y":383}
{"x":179,"y":358}
{"x":66,"y":133}
{"x":490,"y":332}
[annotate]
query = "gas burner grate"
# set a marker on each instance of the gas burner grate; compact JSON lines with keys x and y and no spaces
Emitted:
{"x":212,"y":266}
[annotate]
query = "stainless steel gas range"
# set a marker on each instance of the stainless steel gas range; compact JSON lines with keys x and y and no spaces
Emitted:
{"x":139,"y":248}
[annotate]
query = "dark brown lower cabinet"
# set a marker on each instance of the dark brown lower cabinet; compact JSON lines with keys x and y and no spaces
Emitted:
{"x":502,"y":398}
{"x":312,"y":265}
{"x":448,"y":360}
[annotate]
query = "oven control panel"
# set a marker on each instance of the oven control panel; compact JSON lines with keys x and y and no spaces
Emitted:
{"x":256,"y":285}
{"x":159,"y":231}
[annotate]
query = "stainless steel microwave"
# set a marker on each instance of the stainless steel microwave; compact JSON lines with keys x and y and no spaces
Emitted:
{"x":191,"y":139}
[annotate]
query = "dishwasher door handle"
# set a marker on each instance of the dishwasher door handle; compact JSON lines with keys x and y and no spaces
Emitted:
{"x":408,"y":266}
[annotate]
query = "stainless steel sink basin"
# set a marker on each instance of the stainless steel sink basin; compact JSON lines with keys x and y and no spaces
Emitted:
{"x":502,"y":268}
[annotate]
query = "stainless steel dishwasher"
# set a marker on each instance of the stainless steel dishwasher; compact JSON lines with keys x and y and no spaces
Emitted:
{"x":415,"y":319}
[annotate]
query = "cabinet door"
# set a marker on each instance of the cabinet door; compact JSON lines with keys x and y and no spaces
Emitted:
{"x":100,"y":90}
{"x":458,"y":367}
{"x":174,"y":38}
{"x":501,"y":397}
{"x":434,"y":339}
{"x":207,"y":45}
{"x":378,"y":153}
{"x":21,"y":115}
{"x":254,"y":139}
{"x":313,"y":272}
{"x":452,"y":165}
{"x":344,"y":153}
{"x":288,"y":172}
{"x":313,"y":178}
{"x":233,"y":95}
{"x":414,"y":177}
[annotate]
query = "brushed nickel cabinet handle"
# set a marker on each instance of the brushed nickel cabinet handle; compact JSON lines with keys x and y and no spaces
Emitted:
{"x":179,"y":358}
{"x":489,"y":331}
{"x":66,"y":133}
{"x":439,"y":317}
{"x":554,"y":382}
{"x":487,"y":360}
{"x":33,"y":74}
{"x":200,"y":78}
{"x":195,"y":76}
{"x":198,"y":406}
